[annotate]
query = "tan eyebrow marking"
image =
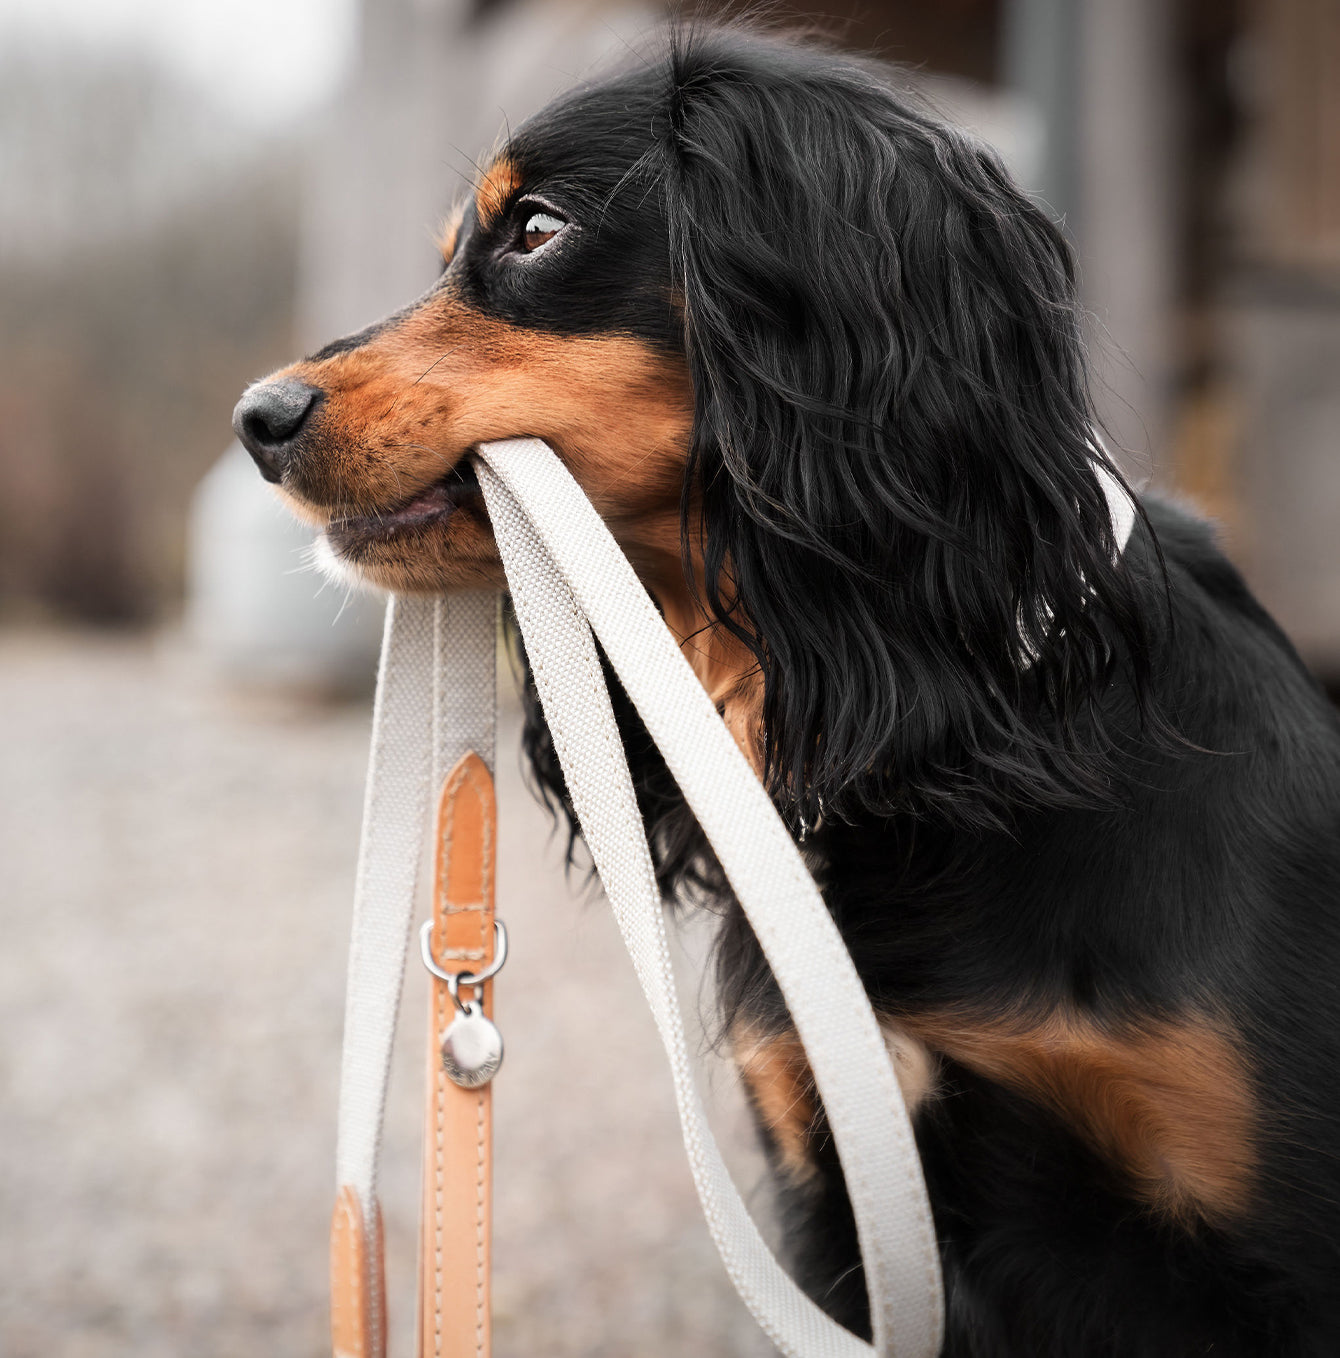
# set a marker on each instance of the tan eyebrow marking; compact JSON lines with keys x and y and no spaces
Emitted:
{"x":498,"y":185}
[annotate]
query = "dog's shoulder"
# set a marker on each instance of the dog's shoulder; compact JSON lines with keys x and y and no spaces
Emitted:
{"x":1219,"y":640}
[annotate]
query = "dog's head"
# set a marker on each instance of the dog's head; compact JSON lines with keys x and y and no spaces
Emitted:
{"x":816,"y":361}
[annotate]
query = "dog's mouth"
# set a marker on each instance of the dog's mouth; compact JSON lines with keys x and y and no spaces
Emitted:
{"x":433,"y":505}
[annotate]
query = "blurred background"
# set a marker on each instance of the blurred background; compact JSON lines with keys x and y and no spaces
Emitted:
{"x":191,"y":193}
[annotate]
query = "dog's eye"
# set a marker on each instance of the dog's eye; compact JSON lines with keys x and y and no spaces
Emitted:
{"x":540,"y":229}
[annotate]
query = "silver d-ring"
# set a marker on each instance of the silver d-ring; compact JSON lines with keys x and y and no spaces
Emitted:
{"x":456,"y":979}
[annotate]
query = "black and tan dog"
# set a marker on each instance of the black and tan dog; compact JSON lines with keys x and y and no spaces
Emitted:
{"x":1077,"y":813}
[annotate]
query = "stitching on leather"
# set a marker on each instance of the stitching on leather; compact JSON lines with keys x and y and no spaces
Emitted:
{"x":439,"y":1165}
{"x":340,"y":1271}
{"x":481,"y":1149}
{"x":372,"y":1247}
{"x":443,"y":906}
{"x":440,"y":996}
{"x":352,"y":1313}
{"x":481,"y":1267}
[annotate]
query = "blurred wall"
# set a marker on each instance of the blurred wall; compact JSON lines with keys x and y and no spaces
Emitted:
{"x":147,"y":260}
{"x":437,"y":84}
{"x":1276,"y":306}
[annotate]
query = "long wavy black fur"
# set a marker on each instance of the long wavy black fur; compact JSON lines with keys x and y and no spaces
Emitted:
{"x":893,"y":443}
{"x":891,"y":479}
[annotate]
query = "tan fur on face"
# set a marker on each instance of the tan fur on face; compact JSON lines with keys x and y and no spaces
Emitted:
{"x":498,"y":185}
{"x":401,"y":410}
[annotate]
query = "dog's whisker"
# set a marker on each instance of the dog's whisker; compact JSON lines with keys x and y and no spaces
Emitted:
{"x":427,"y":370}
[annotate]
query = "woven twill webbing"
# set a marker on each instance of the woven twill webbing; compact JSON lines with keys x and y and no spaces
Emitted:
{"x":426,"y":715}
{"x":567,"y":577}
{"x":435,"y":700}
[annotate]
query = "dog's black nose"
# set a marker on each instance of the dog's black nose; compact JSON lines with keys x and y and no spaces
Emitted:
{"x":267,"y":420}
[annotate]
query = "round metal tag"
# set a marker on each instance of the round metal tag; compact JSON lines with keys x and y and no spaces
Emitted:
{"x":472,"y":1048}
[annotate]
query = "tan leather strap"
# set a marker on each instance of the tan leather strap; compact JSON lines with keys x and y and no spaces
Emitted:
{"x":357,"y":1280}
{"x":456,"y":1224}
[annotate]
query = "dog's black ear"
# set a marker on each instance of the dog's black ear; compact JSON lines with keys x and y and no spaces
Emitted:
{"x":894,"y":444}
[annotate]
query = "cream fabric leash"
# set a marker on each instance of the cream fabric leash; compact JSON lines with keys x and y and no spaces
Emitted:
{"x":564,"y":568}
{"x":565,"y":572}
{"x":426,"y":717}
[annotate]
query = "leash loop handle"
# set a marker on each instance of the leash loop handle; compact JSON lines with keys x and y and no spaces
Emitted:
{"x":569,"y":579}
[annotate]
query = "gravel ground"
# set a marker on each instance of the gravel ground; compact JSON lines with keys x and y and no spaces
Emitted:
{"x":175,"y":869}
